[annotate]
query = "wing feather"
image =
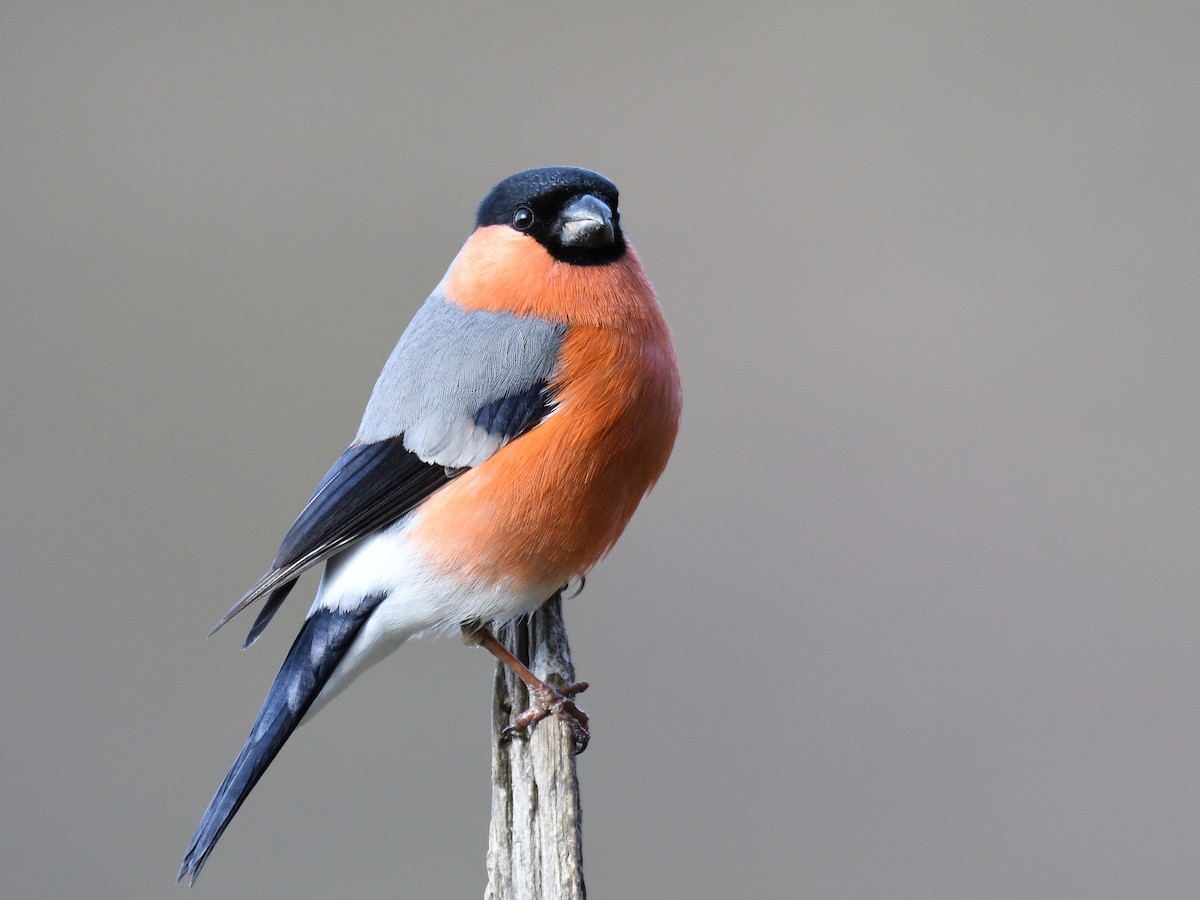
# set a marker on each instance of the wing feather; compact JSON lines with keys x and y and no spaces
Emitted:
{"x":368,"y":488}
{"x":458,"y":387}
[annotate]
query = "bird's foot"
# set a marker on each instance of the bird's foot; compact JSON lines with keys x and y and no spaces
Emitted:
{"x":548,"y":699}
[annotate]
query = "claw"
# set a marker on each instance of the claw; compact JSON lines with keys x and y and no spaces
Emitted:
{"x":548,"y":699}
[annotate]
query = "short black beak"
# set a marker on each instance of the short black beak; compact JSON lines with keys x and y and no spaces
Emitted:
{"x":586,"y":222}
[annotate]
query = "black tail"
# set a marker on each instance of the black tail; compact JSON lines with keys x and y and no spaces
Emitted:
{"x":321,"y":644}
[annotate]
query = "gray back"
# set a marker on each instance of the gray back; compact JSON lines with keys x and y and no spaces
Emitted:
{"x":448,"y":366}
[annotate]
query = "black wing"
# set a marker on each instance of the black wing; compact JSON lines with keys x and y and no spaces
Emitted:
{"x":368,"y":488}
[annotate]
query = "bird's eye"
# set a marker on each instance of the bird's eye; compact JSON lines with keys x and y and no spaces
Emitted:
{"x":522,"y":219}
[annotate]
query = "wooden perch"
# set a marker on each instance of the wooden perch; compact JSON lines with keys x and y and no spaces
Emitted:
{"x":535,"y":842}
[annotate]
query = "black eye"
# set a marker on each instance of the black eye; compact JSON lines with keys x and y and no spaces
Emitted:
{"x":522,"y":219}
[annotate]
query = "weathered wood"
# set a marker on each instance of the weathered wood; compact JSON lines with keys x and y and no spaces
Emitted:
{"x":535,"y":842}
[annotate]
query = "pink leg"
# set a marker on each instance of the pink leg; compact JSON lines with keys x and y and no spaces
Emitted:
{"x":546,"y":698}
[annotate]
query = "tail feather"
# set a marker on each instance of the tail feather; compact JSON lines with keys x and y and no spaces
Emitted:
{"x":318,"y":649}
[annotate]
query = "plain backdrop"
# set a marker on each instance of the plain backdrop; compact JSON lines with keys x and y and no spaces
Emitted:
{"x":913,"y":613}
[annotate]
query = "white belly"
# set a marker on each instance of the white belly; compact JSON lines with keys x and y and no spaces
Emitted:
{"x":417,"y":599}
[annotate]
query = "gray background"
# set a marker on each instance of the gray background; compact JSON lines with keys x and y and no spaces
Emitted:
{"x":913,"y":612}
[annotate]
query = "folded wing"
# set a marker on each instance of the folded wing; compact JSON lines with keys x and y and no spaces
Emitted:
{"x":458,"y":387}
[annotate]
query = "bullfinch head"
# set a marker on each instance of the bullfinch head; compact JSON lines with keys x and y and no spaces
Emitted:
{"x":571,"y":212}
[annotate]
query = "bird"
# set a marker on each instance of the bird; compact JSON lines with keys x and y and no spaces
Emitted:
{"x":530,"y":404}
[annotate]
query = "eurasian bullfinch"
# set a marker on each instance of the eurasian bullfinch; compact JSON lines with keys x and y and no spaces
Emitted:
{"x":531,"y":403}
